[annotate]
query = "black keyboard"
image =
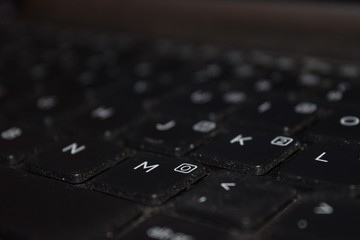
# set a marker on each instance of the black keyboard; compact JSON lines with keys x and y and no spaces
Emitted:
{"x":108,"y":136}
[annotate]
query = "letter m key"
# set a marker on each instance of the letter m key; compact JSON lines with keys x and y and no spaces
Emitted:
{"x":145,"y":166}
{"x":74,"y":148}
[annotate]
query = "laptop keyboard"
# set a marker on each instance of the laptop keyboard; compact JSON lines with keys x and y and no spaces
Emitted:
{"x":106,"y":136}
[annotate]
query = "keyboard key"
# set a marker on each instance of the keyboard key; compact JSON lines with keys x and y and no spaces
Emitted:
{"x":210,"y":102}
{"x":349,"y":71}
{"x":279,"y":115}
{"x":170,"y":135}
{"x":18,"y":141}
{"x":324,"y":165}
{"x":344,"y":93}
{"x":76,"y":160}
{"x":153,"y":88}
{"x":338,"y":127}
{"x":166,"y":227}
{"x":247,"y":151}
{"x":320,"y":219}
{"x":234,"y":201}
{"x":107,"y":118}
{"x":46,"y":107}
{"x":148,"y":178}
{"x":35,"y":208}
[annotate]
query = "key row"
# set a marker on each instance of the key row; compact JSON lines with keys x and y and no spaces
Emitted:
{"x":252,"y":152}
{"x":196,"y":213}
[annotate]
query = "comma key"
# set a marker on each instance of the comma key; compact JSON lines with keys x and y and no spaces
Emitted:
{"x":231,"y":200}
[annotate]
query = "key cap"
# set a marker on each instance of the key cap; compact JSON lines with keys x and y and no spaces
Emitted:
{"x":210,"y":102}
{"x":246,"y":151}
{"x":149,"y":178}
{"x":349,"y":71}
{"x":279,"y":115}
{"x":166,"y":227}
{"x":48,"y":107}
{"x":170,"y":135}
{"x":32,"y":208}
{"x":151,"y":88}
{"x":75,"y":160}
{"x":233,"y":200}
{"x":340,"y":127}
{"x":107,"y":118}
{"x":18,"y":141}
{"x":344,"y":93}
{"x":324,"y":165}
{"x":320,"y":219}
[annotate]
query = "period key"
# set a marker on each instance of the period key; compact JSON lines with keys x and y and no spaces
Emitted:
{"x":149,"y":178}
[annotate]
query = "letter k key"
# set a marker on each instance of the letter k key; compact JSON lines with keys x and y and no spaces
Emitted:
{"x":240,"y":139}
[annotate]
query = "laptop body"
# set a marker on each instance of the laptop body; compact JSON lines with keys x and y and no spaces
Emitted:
{"x":198,"y":150}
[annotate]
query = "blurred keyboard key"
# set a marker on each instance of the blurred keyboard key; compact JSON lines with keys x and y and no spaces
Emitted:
{"x":106,"y":119}
{"x":280,"y":115}
{"x":19,"y":141}
{"x":211,"y":102}
{"x":166,"y":227}
{"x":170,"y":135}
{"x":232,"y":200}
{"x":319,"y":219}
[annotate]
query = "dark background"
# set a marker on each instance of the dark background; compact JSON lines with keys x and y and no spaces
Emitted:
{"x":327,"y":28}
